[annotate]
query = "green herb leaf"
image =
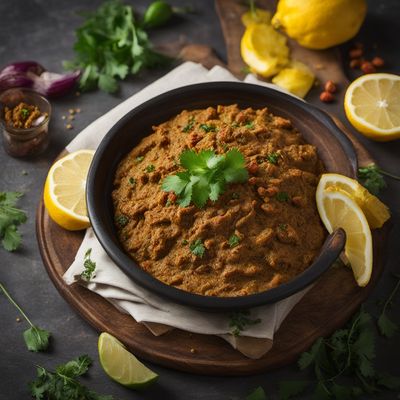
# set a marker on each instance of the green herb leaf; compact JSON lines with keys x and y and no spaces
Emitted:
{"x":272,"y":158}
{"x":62,"y":384}
{"x":240,"y":320}
{"x":282,"y":196}
{"x":36,"y":339}
{"x":25,"y":113}
{"x":197,"y":248}
{"x":208,"y":128}
{"x":257,"y":394}
{"x":289,"y":389}
{"x":132,"y":181}
{"x":139,"y":159}
{"x":10,"y":218}
{"x":184,"y":242}
{"x":109,"y":45}
{"x":206,"y":176}
{"x":189,"y":126}
{"x":122,"y":220}
{"x":371,"y":178}
{"x":309,"y":358}
{"x":150,"y":168}
{"x":249,"y":125}
{"x":89,"y":265}
{"x":234,"y":241}
{"x":386,"y":326}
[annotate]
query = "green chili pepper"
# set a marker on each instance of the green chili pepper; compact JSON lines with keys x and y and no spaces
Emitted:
{"x":157,"y":14}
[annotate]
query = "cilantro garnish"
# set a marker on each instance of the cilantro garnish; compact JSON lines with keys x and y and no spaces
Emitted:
{"x":345,"y":357}
{"x":10,"y":218}
{"x":240,"y":320}
{"x":132,"y":181}
{"x":36,"y":339}
{"x":89,"y":265}
{"x":234,"y":240}
{"x":282,"y":196}
{"x":110,"y":45}
{"x":208,"y":128}
{"x":150,"y":168}
{"x":372,"y":179}
{"x":189,"y":126}
{"x":184,"y":242}
{"x":122,"y":220}
{"x":272,"y":158}
{"x":206,"y":176}
{"x":249,"y":125}
{"x":282,"y":227}
{"x":257,"y":394}
{"x":24,"y":113}
{"x":63,"y":383}
{"x":139,"y":159}
{"x":197,"y":248}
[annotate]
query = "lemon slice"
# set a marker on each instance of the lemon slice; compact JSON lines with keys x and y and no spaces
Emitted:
{"x":372,"y":105}
{"x":375,"y":211}
{"x":258,"y":16}
{"x":122,"y":366}
{"x":264,"y":49}
{"x":296,"y":78}
{"x":64,"y":190}
{"x":338,"y":210}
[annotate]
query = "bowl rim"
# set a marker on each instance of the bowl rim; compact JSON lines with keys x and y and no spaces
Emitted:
{"x":329,"y":251}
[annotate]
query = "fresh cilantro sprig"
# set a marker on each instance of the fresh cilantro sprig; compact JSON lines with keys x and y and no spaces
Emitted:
{"x":197,"y":248}
{"x":346,"y":356}
{"x":10,"y":218}
{"x":234,"y":241}
{"x":385,"y":325}
{"x":89,"y":265}
{"x":110,"y":45}
{"x":206,"y":176}
{"x":372,"y":178}
{"x":257,"y":394}
{"x":239,"y":321}
{"x":63,"y":383}
{"x":36,"y":339}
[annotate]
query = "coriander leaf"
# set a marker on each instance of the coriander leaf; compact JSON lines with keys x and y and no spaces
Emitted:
{"x":10,"y":218}
{"x":388,"y":381}
{"x":234,"y":241}
{"x":197,"y":248}
{"x":139,"y":159}
{"x":36,"y":339}
{"x":309,"y":358}
{"x":272,"y":158}
{"x":107,"y":83}
{"x":249,"y":125}
{"x":76,"y":367}
{"x":371,"y":178}
{"x":206,"y":176}
{"x":208,"y":128}
{"x":342,"y":392}
{"x":289,"y":389}
{"x":150,"y":168}
{"x":240,"y":320}
{"x":321,"y":392}
{"x":189,"y":126}
{"x":89,"y":265}
{"x":257,"y":394}
{"x":386,"y":327}
{"x":122,"y":220}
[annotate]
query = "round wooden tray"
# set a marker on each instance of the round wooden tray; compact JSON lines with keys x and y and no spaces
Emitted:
{"x":326,"y":307}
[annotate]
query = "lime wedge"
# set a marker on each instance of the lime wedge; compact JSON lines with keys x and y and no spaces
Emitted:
{"x":122,"y":366}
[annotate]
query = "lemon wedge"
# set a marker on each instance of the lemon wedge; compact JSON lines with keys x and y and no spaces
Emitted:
{"x":64,"y":190}
{"x":375,"y":211}
{"x":264,"y":49}
{"x":372,"y":105}
{"x":121,"y":365}
{"x":339,"y":210}
{"x":296,"y":78}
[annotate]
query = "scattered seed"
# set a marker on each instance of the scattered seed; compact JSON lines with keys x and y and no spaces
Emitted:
{"x":71,"y":111}
{"x":24,"y":172}
{"x":69,"y":126}
{"x":319,"y":66}
{"x":192,"y":350}
{"x":63,"y":117}
{"x":71,"y":117}
{"x":367,"y":67}
{"x":378,"y":62}
{"x":330,"y":86}
{"x":326,"y":97}
{"x":78,"y":110}
{"x":18,"y":319}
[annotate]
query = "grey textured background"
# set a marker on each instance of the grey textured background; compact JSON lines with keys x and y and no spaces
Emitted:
{"x":43,"y":30}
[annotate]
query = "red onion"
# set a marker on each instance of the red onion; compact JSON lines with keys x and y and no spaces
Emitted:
{"x":32,"y":75}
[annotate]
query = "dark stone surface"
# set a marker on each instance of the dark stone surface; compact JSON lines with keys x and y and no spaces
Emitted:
{"x":43,"y":30}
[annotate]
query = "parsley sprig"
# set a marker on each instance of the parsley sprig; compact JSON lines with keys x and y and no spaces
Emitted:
{"x":110,"y":45}
{"x":346,"y":356}
{"x":10,"y":218}
{"x":36,"y":339}
{"x":63,"y":383}
{"x":239,"y":321}
{"x":371,"y":176}
{"x":197,"y":248}
{"x":206,"y":176}
{"x":89,"y":265}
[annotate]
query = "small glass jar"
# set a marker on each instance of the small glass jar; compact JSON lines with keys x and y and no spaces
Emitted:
{"x":24,"y":142}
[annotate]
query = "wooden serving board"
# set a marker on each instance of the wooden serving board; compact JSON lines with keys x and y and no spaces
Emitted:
{"x":326,"y":307}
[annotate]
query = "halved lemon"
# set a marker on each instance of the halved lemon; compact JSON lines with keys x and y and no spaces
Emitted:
{"x":375,"y":211}
{"x":264,"y":49}
{"x":372,"y":105}
{"x":338,"y":210}
{"x":64,"y":190}
{"x":122,"y":366}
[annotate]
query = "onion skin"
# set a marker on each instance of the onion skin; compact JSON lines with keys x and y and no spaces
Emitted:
{"x":30,"y":74}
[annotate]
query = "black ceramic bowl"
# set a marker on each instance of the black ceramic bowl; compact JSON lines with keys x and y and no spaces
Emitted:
{"x":335,"y":150}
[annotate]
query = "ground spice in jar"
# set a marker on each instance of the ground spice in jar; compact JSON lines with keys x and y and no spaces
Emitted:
{"x":23,"y":116}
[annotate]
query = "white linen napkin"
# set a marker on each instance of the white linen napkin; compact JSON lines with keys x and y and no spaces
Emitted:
{"x":158,"y":314}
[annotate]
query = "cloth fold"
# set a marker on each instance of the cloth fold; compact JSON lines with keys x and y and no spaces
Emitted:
{"x":158,"y":314}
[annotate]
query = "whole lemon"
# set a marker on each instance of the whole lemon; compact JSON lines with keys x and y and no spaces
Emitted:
{"x":319,"y":24}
